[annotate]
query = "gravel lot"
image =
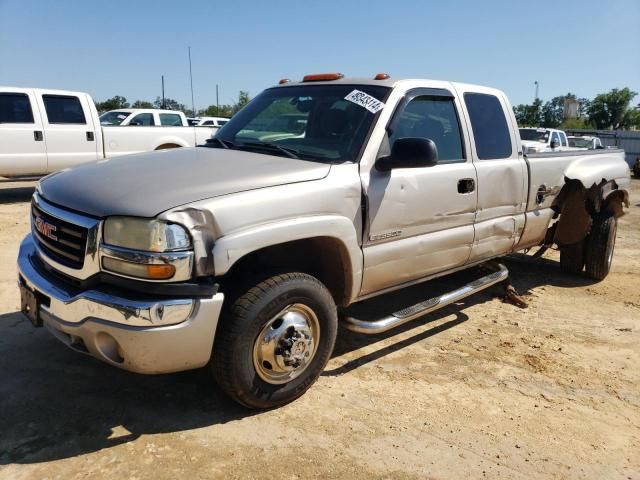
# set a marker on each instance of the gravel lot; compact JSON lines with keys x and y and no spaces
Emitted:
{"x":480,"y":389}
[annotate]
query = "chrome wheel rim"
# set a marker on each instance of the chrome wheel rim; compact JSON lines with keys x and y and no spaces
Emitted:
{"x":287,"y":344}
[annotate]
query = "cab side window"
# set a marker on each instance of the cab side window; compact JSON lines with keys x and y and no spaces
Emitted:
{"x":15,"y":108}
{"x":555,"y":138}
{"x":435,"y":118}
{"x":143,"y":119}
{"x":63,"y":109}
{"x":563,"y":139}
{"x":489,"y":126}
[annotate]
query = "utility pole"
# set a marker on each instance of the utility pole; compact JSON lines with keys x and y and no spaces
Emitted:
{"x":163,"y":104}
{"x":217,"y":102}
{"x":193,"y":104}
{"x":537,"y":85}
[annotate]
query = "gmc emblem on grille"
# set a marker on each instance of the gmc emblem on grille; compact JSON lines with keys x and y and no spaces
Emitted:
{"x":45,"y":228}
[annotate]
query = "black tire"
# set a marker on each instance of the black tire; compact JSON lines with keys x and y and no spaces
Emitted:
{"x":599,"y":246}
{"x":235,"y":363}
{"x":572,"y":258}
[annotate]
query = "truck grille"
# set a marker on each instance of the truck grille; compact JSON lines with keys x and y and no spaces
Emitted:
{"x":64,"y":242}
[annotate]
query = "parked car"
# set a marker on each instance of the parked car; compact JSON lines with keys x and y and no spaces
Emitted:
{"x":207,"y":121}
{"x":586,"y":141}
{"x":244,"y":254}
{"x":544,"y":140}
{"x":42,"y":131}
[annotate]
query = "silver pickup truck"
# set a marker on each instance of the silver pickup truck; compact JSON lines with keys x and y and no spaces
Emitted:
{"x":245,"y":253}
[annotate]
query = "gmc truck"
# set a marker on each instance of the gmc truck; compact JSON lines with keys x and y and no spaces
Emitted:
{"x":245,"y":253}
{"x":42,"y":131}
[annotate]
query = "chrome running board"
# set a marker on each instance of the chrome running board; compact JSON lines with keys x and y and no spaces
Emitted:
{"x":410,"y":313}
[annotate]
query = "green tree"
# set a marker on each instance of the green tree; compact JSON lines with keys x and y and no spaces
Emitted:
{"x":243,"y":99}
{"x":113,"y":103}
{"x":142,"y":104}
{"x":529,"y":115}
{"x":576,"y":124}
{"x":171,"y":104}
{"x":631,"y":119}
{"x":610,"y":110}
{"x":215,"y":111}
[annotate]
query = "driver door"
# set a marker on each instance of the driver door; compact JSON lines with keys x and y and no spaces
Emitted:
{"x":420,"y":220}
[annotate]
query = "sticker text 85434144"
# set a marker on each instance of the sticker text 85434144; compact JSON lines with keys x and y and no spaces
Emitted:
{"x":365,"y":100}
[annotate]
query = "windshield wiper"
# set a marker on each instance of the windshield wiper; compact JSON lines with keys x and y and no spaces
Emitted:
{"x":289,"y":152}
{"x":213,"y":141}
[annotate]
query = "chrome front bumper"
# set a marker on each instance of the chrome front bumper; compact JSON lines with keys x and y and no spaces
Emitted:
{"x":145,"y":335}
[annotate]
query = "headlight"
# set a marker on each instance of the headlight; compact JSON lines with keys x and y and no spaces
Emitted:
{"x":144,"y":234}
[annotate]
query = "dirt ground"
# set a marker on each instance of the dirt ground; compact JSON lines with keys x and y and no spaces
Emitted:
{"x":480,"y":389}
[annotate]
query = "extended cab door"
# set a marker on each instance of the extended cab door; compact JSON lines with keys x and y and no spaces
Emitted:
{"x":420,"y":220}
{"x":501,"y":172}
{"x":70,"y":132}
{"x":22,"y":144}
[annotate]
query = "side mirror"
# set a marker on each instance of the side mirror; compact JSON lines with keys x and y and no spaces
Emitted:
{"x":554,"y":144}
{"x":409,"y":153}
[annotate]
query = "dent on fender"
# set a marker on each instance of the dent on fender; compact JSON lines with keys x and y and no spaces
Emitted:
{"x":201,"y":223}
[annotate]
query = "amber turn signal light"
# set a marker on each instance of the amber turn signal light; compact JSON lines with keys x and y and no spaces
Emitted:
{"x":160,"y":271}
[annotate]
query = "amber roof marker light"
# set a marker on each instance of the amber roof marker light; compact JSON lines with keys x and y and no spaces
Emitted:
{"x":381,"y":76}
{"x":283,"y":81}
{"x":322,"y":77}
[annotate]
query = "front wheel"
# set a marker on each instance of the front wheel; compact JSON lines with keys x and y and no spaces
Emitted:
{"x":275,"y":340}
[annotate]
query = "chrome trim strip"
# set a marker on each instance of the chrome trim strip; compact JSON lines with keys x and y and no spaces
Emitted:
{"x":182,"y":261}
{"x":410,"y":313}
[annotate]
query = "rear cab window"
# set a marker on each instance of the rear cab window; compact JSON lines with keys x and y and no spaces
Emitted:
{"x":15,"y":108}
{"x":491,"y":132}
{"x":63,"y":109}
{"x":170,"y":120}
{"x":143,"y":119}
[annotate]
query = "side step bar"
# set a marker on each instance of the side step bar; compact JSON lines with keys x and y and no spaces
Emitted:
{"x":410,"y":313}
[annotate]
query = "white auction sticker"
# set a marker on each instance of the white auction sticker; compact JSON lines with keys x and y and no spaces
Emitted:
{"x":364,"y":100}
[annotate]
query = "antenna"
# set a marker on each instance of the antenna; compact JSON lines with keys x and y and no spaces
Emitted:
{"x":193,"y":104}
{"x":164,"y":106}
{"x":217,"y":102}
{"x":537,"y":85}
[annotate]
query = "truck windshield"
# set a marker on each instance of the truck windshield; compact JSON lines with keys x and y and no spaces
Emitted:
{"x":311,"y":122}
{"x":113,"y":118}
{"x":534,"y":134}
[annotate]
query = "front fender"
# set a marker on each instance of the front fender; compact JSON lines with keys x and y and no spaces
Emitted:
{"x":231,"y":248}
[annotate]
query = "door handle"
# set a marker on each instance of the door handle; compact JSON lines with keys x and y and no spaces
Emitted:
{"x":544,"y":192}
{"x":466,"y":185}
{"x":37,"y":136}
{"x":90,"y":137}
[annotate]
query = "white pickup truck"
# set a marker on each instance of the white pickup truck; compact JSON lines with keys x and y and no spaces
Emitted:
{"x":544,"y":140}
{"x":207,"y":121}
{"x":245,"y":253}
{"x":42,"y":131}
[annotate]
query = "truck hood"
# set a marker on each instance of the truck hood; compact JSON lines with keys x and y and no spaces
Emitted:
{"x":147,"y":184}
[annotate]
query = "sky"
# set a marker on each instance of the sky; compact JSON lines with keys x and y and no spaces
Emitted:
{"x":118,"y":47}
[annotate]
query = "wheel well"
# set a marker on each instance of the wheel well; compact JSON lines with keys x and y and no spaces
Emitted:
{"x":577,"y":205}
{"x":166,"y":146}
{"x":325,"y":258}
